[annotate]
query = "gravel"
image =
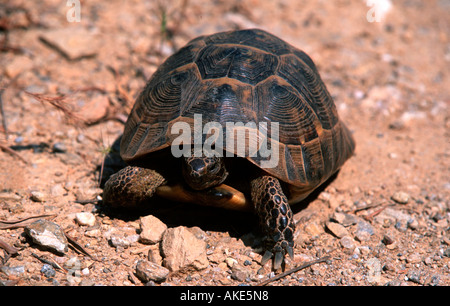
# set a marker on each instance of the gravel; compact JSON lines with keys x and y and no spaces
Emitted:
{"x":394,"y":101}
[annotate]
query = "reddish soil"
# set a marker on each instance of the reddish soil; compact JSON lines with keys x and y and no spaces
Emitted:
{"x":66,"y":87}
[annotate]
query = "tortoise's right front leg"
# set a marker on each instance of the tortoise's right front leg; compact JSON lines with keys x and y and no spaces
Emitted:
{"x":276,"y":219}
{"x":131,"y":186}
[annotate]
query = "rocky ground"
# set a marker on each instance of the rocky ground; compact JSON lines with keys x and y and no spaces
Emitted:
{"x":66,"y":87}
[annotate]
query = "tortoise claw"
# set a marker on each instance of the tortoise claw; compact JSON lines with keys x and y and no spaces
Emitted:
{"x":278,"y":260}
{"x":290,"y":251}
{"x":266,"y":257}
{"x":278,"y":257}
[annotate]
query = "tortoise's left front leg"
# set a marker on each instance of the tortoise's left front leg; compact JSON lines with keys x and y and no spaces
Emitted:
{"x":131,"y":186}
{"x":276,"y":218}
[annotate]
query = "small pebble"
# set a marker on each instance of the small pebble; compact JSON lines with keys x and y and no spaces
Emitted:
{"x":413,"y":258}
{"x":72,"y":263}
{"x":337,"y":229}
{"x":59,"y":147}
{"x":313,"y":229}
{"x":148,"y":271}
{"x":37,"y":196}
{"x":85,"y":218}
{"x":230,"y":262}
{"x":9,"y":196}
{"x":362,"y":236}
{"x":344,"y":219}
{"x":400,"y":197}
{"x":347,"y":242}
{"x":401,"y":225}
{"x":428,"y":261}
{"x":93,"y":233}
{"x":48,"y":271}
{"x":13,"y":271}
{"x":124,"y":242}
{"x":364,"y":231}
{"x":81,"y":138}
{"x":388,"y":239}
{"x":239,"y":275}
{"x":413,"y":276}
{"x":57,"y":190}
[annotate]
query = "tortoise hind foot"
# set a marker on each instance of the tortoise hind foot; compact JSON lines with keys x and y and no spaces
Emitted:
{"x":276,"y":219}
{"x":131,"y":186}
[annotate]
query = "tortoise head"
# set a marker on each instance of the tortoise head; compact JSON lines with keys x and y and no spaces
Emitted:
{"x":204,"y":172}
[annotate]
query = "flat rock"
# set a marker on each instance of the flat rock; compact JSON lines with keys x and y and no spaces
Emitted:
{"x":313,"y":229}
{"x":337,"y":229}
{"x":18,"y":65}
{"x":400,"y":197}
{"x":364,"y":231}
{"x":148,"y":271}
{"x":73,"y":43}
{"x":183,"y":251}
{"x":393,"y":215}
{"x":152,"y":230}
{"x":344,"y":219}
{"x":347,"y":242}
{"x":38,"y":196}
{"x":94,"y":109}
{"x":123,"y":241}
{"x":48,"y":234}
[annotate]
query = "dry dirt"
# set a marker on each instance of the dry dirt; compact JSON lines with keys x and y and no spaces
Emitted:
{"x":390,"y":82}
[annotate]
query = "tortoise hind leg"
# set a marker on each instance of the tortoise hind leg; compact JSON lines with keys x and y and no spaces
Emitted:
{"x":131,"y":186}
{"x":276,"y":218}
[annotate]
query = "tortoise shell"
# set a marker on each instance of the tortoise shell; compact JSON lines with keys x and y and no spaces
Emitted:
{"x":245,"y":76}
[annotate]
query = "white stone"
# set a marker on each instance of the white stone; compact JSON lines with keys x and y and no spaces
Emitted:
{"x":85,"y":218}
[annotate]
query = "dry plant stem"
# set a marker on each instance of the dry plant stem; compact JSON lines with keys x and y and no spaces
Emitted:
{"x":20,"y":223}
{"x":8,"y":248}
{"x":60,"y":104}
{"x":2,"y":113}
{"x":293,"y":270}
{"x":76,"y":246}
{"x":49,"y":262}
{"x":12,"y":152}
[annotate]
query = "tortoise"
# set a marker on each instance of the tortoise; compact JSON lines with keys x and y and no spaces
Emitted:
{"x":243,"y":76}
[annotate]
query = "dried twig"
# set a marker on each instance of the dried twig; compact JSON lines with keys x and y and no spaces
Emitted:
{"x":8,"y":248}
{"x":49,"y":262}
{"x":12,"y":152}
{"x":4,"y":224}
{"x":2,"y":112}
{"x":60,"y":104}
{"x":293,"y":270}
{"x":76,"y":246}
{"x":368,"y":206}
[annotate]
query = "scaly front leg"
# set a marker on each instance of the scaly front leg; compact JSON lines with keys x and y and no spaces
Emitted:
{"x":276,"y":219}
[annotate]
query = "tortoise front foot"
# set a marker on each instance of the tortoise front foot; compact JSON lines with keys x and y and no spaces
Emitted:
{"x":276,"y":219}
{"x":131,"y":186}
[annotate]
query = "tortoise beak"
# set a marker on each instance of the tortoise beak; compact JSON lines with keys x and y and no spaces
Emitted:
{"x":200,"y":176}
